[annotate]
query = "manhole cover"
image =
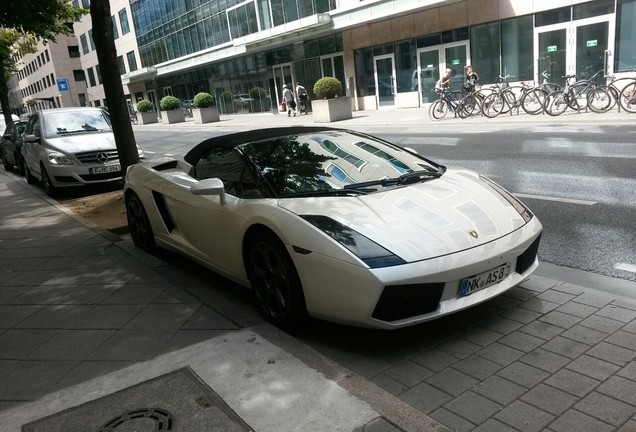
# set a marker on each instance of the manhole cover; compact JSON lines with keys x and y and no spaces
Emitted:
{"x":178,"y":401}
{"x":141,"y":420}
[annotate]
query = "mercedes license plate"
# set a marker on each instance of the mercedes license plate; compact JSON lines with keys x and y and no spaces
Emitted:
{"x":105,"y":169}
{"x":470,"y":285}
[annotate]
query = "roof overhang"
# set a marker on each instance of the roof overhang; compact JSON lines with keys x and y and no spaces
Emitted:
{"x":139,"y":75}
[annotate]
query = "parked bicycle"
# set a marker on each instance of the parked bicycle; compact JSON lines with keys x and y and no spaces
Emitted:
{"x":133,"y":117}
{"x":505,"y":99}
{"x":448,"y":101}
{"x":187,"y":108}
{"x":533,"y":100}
{"x":574,"y":95}
{"x":627,"y":98}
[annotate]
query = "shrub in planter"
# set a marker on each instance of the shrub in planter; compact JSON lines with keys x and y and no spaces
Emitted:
{"x":328,"y":88}
{"x":144,"y":106}
{"x":169,"y":103}
{"x":146,"y":109}
{"x":203,"y":100}
{"x":205,"y":110}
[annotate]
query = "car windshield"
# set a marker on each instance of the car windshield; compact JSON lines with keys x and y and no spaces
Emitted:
{"x":337,"y":163}
{"x":59,"y":123}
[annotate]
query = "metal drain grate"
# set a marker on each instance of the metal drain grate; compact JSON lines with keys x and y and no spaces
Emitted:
{"x":162,"y":420}
{"x":178,"y":400}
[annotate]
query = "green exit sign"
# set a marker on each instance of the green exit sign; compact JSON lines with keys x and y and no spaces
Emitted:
{"x":455,"y":62}
{"x":591,"y":43}
{"x":552,"y":48}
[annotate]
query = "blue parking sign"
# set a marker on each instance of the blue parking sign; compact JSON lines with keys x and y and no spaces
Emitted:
{"x":62,"y":84}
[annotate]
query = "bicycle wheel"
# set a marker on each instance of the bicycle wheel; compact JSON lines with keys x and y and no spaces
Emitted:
{"x":556,"y":103}
{"x":627,"y":98}
{"x":470,"y":105}
{"x":493,"y":105}
{"x":599,"y":100}
{"x":532,"y":102}
{"x":578,"y":95}
{"x":438,"y":110}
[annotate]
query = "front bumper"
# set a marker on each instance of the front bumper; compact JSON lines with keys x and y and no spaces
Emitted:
{"x":350,"y":294}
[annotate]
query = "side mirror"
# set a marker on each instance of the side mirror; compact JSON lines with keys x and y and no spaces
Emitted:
{"x":30,"y":138}
{"x":212,"y":186}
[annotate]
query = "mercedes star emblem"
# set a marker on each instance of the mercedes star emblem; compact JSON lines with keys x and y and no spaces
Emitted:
{"x":102,"y":157}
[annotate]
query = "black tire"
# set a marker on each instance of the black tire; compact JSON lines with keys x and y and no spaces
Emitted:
{"x":275,"y":281}
{"x":438,"y":110}
{"x":20,"y":164}
{"x":627,"y":98}
{"x":556,"y":103}
{"x":493,"y":105}
{"x":5,"y":163}
{"x":139,"y":224}
{"x":31,"y":179}
{"x":532,"y":101}
{"x":599,"y":100}
{"x":470,"y":105}
{"x":47,"y":185}
{"x":578,"y":96}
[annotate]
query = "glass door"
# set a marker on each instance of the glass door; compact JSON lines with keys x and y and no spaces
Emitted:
{"x":385,"y":85}
{"x":428,"y":67}
{"x":282,"y":76}
{"x":432,"y":63}
{"x":578,"y":48}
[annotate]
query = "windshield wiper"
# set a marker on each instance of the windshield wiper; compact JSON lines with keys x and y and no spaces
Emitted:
{"x":417,"y":176}
{"x":404,"y":179}
{"x":328,"y":192}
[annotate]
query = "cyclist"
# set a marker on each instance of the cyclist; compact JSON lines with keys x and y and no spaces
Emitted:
{"x":445,"y":81}
{"x":303,"y":97}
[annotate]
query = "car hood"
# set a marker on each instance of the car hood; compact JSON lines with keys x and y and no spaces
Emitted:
{"x":426,"y":220}
{"x":82,"y":142}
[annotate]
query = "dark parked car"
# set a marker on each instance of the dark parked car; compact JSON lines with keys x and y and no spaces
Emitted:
{"x":10,"y":145}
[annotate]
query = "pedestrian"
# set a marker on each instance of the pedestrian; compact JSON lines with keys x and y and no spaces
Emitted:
{"x":303,"y":97}
{"x":288,"y":97}
{"x":471,"y":76}
{"x":445,"y":81}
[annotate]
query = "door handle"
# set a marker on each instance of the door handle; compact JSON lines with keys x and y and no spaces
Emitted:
{"x":392,"y":85}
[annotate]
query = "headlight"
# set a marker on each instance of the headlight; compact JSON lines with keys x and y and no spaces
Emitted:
{"x":371,"y":253}
{"x":59,"y":159}
{"x":525,"y":213}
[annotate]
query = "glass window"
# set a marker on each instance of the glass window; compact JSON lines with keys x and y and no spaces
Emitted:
{"x":484,"y":45}
{"x":225,"y":164}
{"x":263,"y":9}
{"x":291,"y":10}
{"x":99,"y":74}
{"x":456,"y":35}
{"x":592,"y":9}
{"x":122,"y":65}
{"x":115,"y":31}
{"x":91,"y":78}
{"x":327,"y":45}
{"x":132,"y":61}
{"x":278,"y":15}
{"x":84,"y":43}
{"x":79,"y":75}
{"x":73,"y":51}
{"x":517,"y":46}
{"x":364,"y":72}
{"x":123,"y":21}
{"x":405,"y":64}
{"x":90,"y":39}
{"x":553,"y":16}
{"x":626,"y":35}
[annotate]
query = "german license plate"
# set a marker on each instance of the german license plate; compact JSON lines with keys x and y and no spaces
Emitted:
{"x":105,"y":169}
{"x":470,"y":285}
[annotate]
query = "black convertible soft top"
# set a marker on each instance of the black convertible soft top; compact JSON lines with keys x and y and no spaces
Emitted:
{"x":238,"y":138}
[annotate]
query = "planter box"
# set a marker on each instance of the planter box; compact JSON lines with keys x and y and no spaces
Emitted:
{"x":172,"y":116}
{"x":331,"y":110}
{"x":148,"y":117}
{"x":205,"y":115}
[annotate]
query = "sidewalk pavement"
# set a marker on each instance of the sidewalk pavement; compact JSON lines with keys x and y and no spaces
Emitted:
{"x":94,"y":331}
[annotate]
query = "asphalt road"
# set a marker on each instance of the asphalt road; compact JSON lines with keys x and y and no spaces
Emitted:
{"x":580,"y":181}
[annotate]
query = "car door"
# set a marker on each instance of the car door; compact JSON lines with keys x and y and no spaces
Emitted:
{"x":31,"y":149}
{"x":213,"y":230}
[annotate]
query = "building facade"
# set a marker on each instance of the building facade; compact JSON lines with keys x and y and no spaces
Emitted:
{"x":387,"y":53}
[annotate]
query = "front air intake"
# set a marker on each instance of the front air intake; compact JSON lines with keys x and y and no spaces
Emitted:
{"x":525,"y":260}
{"x":404,"y":301}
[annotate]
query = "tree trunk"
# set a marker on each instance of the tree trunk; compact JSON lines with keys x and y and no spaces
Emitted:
{"x":117,"y":107}
{"x":4,"y":94}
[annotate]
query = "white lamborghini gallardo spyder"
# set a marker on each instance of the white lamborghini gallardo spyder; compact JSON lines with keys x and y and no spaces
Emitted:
{"x":335,"y":224}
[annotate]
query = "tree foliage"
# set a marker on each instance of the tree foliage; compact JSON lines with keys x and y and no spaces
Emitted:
{"x":22,"y":23}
